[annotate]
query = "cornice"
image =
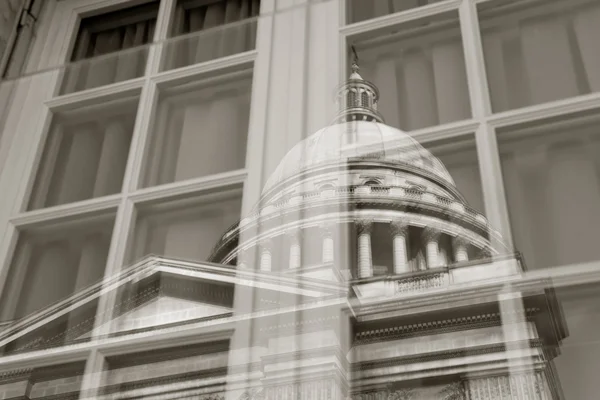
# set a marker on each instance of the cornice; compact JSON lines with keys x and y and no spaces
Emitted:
{"x":446,"y":354}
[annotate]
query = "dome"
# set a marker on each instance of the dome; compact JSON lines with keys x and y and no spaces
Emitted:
{"x":356,"y":139}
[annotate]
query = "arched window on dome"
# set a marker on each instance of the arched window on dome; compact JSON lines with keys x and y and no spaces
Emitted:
{"x":352,"y":98}
{"x":372,"y":182}
{"x":364,"y":98}
{"x":326,"y":186}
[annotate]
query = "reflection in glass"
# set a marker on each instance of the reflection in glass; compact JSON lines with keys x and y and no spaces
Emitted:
{"x":55,"y":261}
{"x":185,"y":229}
{"x":459,"y":156}
{"x":200,"y":129}
{"x":360,"y":10}
{"x":85,"y":154}
{"x":551,"y":175}
{"x":113,"y":47}
{"x":421,"y":79}
{"x":211,"y":30}
{"x":540,"y":51}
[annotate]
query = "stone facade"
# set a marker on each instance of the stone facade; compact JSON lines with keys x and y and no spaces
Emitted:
{"x":8,"y":15}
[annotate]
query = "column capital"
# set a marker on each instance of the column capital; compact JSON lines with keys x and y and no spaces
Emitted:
{"x":326,"y":228}
{"x":431,"y":233}
{"x":364,"y":226}
{"x":460,"y":241}
{"x":399,"y":228}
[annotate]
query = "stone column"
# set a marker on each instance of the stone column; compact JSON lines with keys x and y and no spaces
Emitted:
{"x":365,"y":261}
{"x":265,"y":255}
{"x":327,"y":249}
{"x":460,"y":249}
{"x":295,"y":260}
{"x":399,"y":232}
{"x":431,"y":237}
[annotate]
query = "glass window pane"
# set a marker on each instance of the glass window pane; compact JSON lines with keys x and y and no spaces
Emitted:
{"x":200,"y":129}
{"x":53,"y":262}
{"x":113,"y":45}
{"x":419,"y":69}
{"x":540,"y":51}
{"x":459,"y":156}
{"x":185,"y":229}
{"x":85,"y":154}
{"x":579,"y":357}
{"x":360,"y":10}
{"x":204,"y":31}
{"x":551,"y":176}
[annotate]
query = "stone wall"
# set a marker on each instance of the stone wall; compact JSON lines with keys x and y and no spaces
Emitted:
{"x":8,"y":15}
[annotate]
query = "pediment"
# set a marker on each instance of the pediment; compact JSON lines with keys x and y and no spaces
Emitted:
{"x":154,"y":294}
{"x":161,"y":311}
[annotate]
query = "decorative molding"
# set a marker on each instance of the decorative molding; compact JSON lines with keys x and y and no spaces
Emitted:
{"x":447,"y":354}
{"x":435,"y":327}
{"x":364,"y":226}
{"x":399,"y":227}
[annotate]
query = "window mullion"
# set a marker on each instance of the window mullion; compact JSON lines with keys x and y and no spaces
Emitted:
{"x":161,"y":34}
{"x":474,"y":62}
{"x":494,"y":197}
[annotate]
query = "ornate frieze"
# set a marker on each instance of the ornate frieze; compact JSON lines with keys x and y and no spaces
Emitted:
{"x":529,"y":386}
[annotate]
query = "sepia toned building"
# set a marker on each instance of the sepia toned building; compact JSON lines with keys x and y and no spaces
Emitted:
{"x":196,"y":202}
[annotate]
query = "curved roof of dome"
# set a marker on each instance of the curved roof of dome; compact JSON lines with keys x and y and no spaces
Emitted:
{"x":356,"y":139}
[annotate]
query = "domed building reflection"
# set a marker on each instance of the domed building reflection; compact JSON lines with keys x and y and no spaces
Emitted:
{"x":361,"y":274}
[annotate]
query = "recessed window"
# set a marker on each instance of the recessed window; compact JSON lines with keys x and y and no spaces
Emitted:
{"x":540,"y":51}
{"x":187,"y":228}
{"x":210,"y":29}
{"x":200,"y":129}
{"x":114,"y":44}
{"x":419,"y":68}
{"x":55,"y":261}
{"x":85,"y":153}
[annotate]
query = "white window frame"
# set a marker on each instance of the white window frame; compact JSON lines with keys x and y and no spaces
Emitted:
{"x":40,"y":99}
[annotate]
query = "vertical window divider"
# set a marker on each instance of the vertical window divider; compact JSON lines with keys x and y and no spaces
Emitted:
{"x":475,"y":64}
{"x":492,"y":186}
{"x":161,"y":35}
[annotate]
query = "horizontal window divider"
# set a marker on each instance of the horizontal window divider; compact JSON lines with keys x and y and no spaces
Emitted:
{"x":189,"y":187}
{"x":387,"y":21}
{"x":80,"y":208}
{"x":544,"y":111}
{"x":452,"y":130}
{"x":232,"y":63}
{"x":96,"y":95}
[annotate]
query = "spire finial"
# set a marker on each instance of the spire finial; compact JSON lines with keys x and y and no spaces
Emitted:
{"x":357,"y":98}
{"x":355,"y":68}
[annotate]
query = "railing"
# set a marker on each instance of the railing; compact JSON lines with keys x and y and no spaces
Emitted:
{"x":422,"y":282}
